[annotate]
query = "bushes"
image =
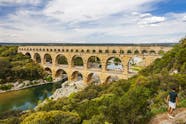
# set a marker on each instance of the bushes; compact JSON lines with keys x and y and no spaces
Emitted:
{"x":6,"y":86}
{"x":52,"y":117}
{"x":122,"y":102}
{"x":16,"y":66}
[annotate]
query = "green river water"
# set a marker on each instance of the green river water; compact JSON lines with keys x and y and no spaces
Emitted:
{"x":26,"y":98}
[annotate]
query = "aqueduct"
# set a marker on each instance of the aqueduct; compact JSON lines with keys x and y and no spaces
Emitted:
{"x":92,"y":63}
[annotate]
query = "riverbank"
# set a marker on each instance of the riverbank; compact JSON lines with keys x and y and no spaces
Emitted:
{"x":20,"y":86}
{"x":67,"y":88}
{"x":26,"y":99}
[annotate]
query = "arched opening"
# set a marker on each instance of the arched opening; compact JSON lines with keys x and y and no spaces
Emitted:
{"x":136,"y":52}
{"x":93,"y":51}
{"x":48,"y":76}
{"x":100,"y":51}
{"x":114,"y":64}
{"x":47,"y":59}
{"x":106,"y":51}
{"x":94,"y":63}
{"x":144,"y":52}
{"x":135,"y":64}
{"x":48,"y":71}
{"x":122,"y":52}
{"x":152,"y":52}
{"x":61,"y":74}
{"x":37,"y":58}
{"x":76,"y":76}
{"x":77,"y":62}
{"x":61,"y":60}
{"x":111,"y":79}
{"x":93,"y":79}
{"x":114,"y":51}
{"x":28,"y":55}
{"x":129,"y":52}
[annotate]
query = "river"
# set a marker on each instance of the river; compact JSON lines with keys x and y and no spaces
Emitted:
{"x":27,"y":98}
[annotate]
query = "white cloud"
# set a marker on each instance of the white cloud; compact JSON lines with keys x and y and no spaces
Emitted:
{"x":84,"y":10}
{"x":151,"y":20}
{"x":13,"y":2}
{"x":92,"y":21}
{"x":184,"y":18}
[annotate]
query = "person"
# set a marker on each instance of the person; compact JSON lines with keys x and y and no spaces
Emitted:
{"x":172,"y":100}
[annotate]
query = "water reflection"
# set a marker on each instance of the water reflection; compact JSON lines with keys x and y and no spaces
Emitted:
{"x":25,"y":99}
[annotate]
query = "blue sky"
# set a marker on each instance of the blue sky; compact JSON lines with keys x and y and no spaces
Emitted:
{"x":92,"y":21}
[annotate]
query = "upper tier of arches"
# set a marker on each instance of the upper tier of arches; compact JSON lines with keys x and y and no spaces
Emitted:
{"x":144,"y":51}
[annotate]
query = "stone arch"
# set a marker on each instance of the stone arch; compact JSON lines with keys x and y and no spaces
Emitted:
{"x":129,"y":52}
{"x":37,"y":57}
{"x":61,"y":60}
{"x":114,"y":64}
{"x":152,"y":52}
{"x":93,"y":78}
{"x":61,"y":74}
{"x":47,"y":59}
{"x":111,"y":79}
{"x":28,"y":55}
{"x":144,"y":51}
{"x":94,"y":62}
{"x":48,"y":71}
{"x":106,"y":51}
{"x":76,"y":76}
{"x":77,"y":61}
{"x":114,"y":51}
{"x":100,"y":51}
{"x":122,"y":51}
{"x":136,"y":52}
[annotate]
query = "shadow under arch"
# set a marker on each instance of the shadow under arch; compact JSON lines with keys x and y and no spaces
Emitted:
{"x":28,"y":55}
{"x":94,"y":62}
{"x":61,"y":60}
{"x":93,"y":78}
{"x":77,"y":61}
{"x":61,"y":74}
{"x":47,"y":59}
{"x":37,"y":57}
{"x":111,"y":79}
{"x":76,"y":76}
{"x":48,"y":71}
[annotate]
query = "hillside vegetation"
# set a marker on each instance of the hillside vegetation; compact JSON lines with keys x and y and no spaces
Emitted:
{"x":16,"y":66}
{"x":132,"y":101}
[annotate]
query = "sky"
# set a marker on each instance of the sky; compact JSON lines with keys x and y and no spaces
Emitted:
{"x":92,"y":21}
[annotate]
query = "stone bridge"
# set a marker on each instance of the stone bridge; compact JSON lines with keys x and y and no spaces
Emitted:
{"x":87,"y":61}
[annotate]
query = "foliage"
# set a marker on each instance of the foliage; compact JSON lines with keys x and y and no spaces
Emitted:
{"x":52,"y":117}
{"x":48,"y":78}
{"x":132,"y":101}
{"x":6,"y":86}
{"x":16,"y":66}
{"x":78,"y":61}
